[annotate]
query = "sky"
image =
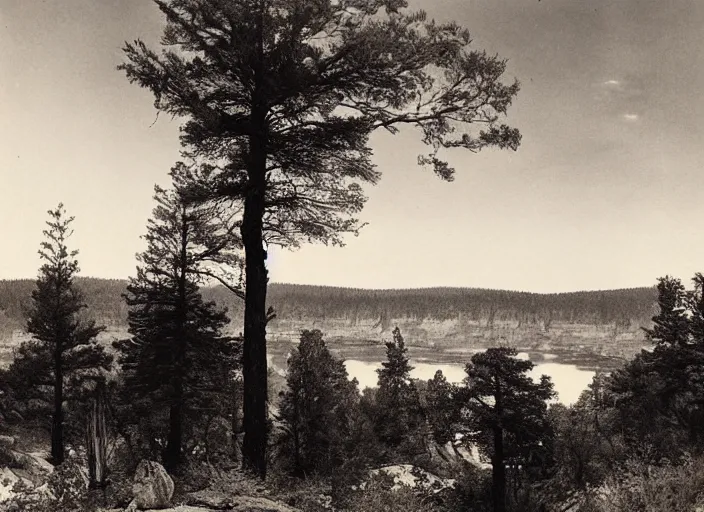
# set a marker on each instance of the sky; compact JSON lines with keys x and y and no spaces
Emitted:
{"x":604,"y":192}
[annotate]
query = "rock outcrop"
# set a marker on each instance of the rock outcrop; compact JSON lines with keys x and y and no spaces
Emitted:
{"x":28,"y":469}
{"x":455,"y":454}
{"x":153,"y":487}
{"x":210,"y":499}
{"x":8,"y":480}
{"x":251,"y":504}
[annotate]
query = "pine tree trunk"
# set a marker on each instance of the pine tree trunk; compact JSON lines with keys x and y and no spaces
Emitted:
{"x":498,"y":472}
{"x":174,"y":448}
{"x":172,"y":454}
{"x":235,"y":429}
{"x":57,"y":425}
{"x":296,"y":441}
{"x":97,"y":440}
{"x":498,"y":466}
{"x":254,"y":365}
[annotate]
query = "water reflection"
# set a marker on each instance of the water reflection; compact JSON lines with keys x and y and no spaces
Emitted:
{"x":569,"y":380}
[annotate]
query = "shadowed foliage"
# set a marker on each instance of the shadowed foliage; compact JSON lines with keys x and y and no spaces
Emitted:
{"x":177,"y":361}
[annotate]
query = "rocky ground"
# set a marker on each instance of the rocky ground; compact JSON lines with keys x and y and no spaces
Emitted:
{"x":28,"y":481}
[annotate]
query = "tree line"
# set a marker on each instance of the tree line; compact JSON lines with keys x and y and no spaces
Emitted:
{"x":328,"y":428}
{"x":178,"y":374}
{"x":103,"y":296}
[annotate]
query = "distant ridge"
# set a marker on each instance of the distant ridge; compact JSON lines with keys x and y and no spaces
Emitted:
{"x":423,"y":288}
{"x":303,"y":303}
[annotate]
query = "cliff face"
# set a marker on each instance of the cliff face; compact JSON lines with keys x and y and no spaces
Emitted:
{"x":464,"y":336}
{"x":456,"y":320}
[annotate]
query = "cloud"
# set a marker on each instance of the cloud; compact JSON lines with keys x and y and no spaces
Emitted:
{"x":623,"y":98}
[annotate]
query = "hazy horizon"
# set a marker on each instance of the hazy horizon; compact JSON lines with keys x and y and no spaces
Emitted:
{"x":601,"y":195}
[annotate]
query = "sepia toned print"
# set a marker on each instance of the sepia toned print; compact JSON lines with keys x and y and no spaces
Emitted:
{"x":351,"y":255}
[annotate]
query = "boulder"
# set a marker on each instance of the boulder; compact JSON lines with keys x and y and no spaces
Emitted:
{"x":7,"y":440}
{"x":152,"y":487}
{"x":27,"y":466}
{"x":34,"y":463}
{"x":181,"y":508}
{"x":186,"y":508}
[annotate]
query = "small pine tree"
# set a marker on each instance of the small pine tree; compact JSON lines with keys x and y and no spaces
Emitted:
{"x":671,"y":324}
{"x":318,"y":410}
{"x":63,"y":351}
{"x":399,"y":416}
{"x":440,"y":408}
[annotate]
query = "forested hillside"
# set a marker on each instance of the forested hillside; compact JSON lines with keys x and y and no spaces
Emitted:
{"x":598,"y":308}
{"x":315,"y":304}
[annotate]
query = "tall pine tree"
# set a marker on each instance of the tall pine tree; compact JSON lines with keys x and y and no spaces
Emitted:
{"x":62,"y":353}
{"x":280,"y":98}
{"x":178,"y":358}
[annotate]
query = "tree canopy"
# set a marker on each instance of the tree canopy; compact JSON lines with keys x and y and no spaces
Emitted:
{"x":324,"y":75}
